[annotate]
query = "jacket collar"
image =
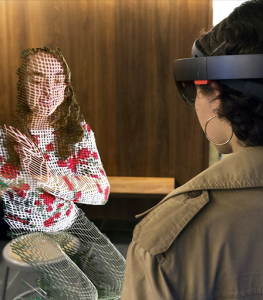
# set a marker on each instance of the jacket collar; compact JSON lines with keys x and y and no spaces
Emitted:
{"x":243,"y":169}
{"x":240,"y":170}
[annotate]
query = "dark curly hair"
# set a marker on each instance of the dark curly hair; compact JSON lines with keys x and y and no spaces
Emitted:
{"x":240,"y":33}
{"x":66,"y":119}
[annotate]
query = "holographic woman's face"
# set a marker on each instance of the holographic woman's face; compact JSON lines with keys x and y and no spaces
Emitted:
{"x":44,"y":83}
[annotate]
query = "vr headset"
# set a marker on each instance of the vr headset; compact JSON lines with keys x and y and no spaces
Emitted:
{"x":239,"y":72}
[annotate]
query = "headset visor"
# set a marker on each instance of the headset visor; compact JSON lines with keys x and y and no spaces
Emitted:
{"x":236,"y":71}
{"x":188,"y":91}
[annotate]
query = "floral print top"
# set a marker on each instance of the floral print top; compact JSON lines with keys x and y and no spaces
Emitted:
{"x":35,"y":207}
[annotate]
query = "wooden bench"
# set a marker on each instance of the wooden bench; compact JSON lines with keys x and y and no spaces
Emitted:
{"x":141,"y":185}
{"x":130,"y":196}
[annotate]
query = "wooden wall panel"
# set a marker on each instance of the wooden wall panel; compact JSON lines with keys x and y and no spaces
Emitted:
{"x":120,"y":53}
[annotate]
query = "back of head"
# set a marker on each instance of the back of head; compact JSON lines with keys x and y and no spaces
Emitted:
{"x":240,"y":33}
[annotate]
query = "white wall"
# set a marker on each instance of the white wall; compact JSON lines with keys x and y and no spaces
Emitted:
{"x":222,"y":8}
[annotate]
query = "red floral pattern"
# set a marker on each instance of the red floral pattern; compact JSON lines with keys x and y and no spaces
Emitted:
{"x":95,"y":155}
{"x":81,"y":157}
{"x":50,"y":147}
{"x":19,"y":192}
{"x":77,"y":177}
{"x":99,"y":188}
{"x":78,"y":195}
{"x":57,"y":215}
{"x":72,"y":163}
{"x":84,"y":153}
{"x":86,"y":127}
{"x":9,"y":171}
{"x":15,"y":218}
{"x":106,"y":194}
{"x":94,"y":176}
{"x":69,"y":210}
{"x":48,"y":200}
{"x":47,"y":206}
{"x":62,"y":163}
{"x":69,"y":184}
{"x":47,"y":157}
{"x":38,"y":203}
{"x":49,"y":222}
{"x":60,"y":205}
{"x":25,"y":187}
{"x":35,"y":139}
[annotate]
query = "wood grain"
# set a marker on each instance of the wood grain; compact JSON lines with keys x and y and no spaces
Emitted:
{"x":141,"y":185}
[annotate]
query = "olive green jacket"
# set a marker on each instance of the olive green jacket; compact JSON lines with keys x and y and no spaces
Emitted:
{"x":204,"y":241}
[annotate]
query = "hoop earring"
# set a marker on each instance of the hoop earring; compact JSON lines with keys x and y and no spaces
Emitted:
{"x":217,"y":144}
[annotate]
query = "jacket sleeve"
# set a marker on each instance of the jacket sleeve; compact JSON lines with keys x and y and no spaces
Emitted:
{"x":144,"y":278}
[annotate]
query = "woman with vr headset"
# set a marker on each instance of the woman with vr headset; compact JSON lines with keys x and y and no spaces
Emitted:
{"x":204,"y":240}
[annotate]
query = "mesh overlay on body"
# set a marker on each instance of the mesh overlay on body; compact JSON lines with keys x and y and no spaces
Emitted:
{"x":48,"y":162}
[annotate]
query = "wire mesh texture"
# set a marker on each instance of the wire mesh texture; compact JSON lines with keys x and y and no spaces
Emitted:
{"x":79,"y":263}
{"x":48,"y":162}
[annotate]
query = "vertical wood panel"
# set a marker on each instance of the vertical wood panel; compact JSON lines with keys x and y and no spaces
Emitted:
{"x":120,"y":53}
